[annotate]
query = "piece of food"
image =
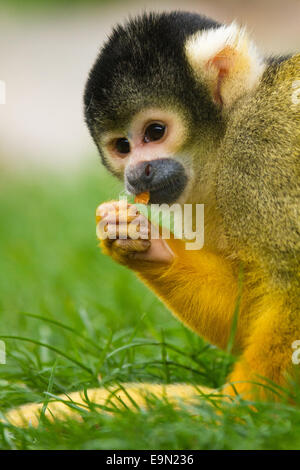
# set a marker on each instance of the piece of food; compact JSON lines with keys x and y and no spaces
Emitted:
{"x":142,"y":198}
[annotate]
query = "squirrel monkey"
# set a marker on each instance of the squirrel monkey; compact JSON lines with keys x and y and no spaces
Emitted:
{"x":188,"y":110}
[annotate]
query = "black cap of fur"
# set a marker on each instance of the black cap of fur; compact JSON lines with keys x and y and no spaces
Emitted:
{"x":143,"y":64}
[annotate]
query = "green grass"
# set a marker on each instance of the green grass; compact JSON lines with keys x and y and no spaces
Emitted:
{"x":102,"y":326}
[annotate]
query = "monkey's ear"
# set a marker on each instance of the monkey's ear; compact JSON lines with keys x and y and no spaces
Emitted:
{"x":227,"y":60}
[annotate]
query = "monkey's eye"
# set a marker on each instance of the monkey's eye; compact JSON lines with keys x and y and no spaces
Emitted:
{"x":122,"y":145}
{"x":154,"y":132}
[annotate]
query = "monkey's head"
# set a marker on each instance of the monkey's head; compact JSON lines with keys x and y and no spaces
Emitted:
{"x":157,"y":99}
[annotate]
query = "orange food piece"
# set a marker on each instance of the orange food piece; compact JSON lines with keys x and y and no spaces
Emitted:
{"x":142,"y":198}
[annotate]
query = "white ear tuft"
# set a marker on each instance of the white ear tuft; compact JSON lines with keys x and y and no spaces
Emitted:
{"x":227,"y":60}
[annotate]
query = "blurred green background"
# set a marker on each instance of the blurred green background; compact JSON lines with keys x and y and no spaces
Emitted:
{"x":75,"y":318}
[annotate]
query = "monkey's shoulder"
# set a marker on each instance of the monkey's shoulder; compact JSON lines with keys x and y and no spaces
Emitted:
{"x":258,"y":178}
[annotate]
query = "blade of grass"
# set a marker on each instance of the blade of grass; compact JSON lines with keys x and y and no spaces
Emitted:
{"x":61,"y":325}
{"x":49,"y":389}
{"x":52,"y":348}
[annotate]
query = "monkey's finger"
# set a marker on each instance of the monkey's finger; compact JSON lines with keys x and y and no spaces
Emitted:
{"x":110,"y":208}
{"x":132,"y":246}
{"x":113,"y":231}
{"x":117,"y":210}
{"x":105,"y":208}
{"x":123,"y":217}
{"x":158,"y":252}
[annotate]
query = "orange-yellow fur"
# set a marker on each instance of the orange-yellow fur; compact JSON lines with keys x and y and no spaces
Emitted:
{"x":133,"y":395}
{"x":202,"y":288}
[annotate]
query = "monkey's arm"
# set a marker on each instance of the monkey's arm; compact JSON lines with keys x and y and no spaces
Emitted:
{"x":199,"y":287}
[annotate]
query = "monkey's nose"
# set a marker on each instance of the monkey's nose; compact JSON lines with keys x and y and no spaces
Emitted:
{"x":140,"y":174}
{"x":148,"y":171}
{"x":163,"y":178}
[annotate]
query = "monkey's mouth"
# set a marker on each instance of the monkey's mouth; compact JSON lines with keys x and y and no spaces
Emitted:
{"x":167,"y":194}
{"x":165,"y":179}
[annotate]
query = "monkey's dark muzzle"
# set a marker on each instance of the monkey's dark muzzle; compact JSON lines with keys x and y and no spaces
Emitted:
{"x":164,"y":178}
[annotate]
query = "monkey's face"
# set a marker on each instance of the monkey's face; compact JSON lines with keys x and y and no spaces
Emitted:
{"x":158,"y":97}
{"x":148,"y":152}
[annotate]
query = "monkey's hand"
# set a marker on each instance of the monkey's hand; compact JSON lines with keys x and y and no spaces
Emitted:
{"x":125,"y":235}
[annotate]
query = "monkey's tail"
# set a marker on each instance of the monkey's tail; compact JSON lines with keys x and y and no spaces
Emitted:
{"x":132,"y":396}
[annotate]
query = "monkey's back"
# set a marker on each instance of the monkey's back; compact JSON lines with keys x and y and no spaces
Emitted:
{"x":258,"y":179}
